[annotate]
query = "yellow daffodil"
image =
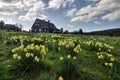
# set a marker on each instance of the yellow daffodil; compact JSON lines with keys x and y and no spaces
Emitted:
{"x":27,"y":55}
{"x":77,"y":49}
{"x":112,"y":59}
{"x":25,"y":49}
{"x":37,"y":47}
{"x":60,"y":78}
{"x":109,"y":55}
{"x":74,"y":57}
{"x":99,"y":49}
{"x":61,"y":58}
{"x":100,"y":57}
{"x":37,"y":59}
{"x":32,"y":54}
{"x":109,"y":50}
{"x":69,"y":56}
{"x":15,"y":56}
{"x":110,"y":64}
{"x":98,"y":53}
{"x":106,"y":64}
{"x":19,"y":57}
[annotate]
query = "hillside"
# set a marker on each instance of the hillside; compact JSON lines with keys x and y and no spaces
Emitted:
{"x":45,"y":56}
{"x":109,"y":32}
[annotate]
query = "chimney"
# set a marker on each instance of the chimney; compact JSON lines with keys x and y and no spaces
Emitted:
{"x":48,"y":21}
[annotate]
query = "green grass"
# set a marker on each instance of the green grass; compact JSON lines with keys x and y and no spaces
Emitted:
{"x":89,"y":66}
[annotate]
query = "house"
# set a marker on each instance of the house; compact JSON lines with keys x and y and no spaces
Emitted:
{"x":11,"y":27}
{"x":44,"y":26}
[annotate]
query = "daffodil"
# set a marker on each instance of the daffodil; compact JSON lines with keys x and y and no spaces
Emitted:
{"x":25,"y":49}
{"x":32,"y":54}
{"x":106,"y":64}
{"x":37,"y":47}
{"x":109,"y":50}
{"x":110,"y":64}
{"x":74,"y":57}
{"x":112,"y":59}
{"x":101,"y":57}
{"x":15,"y":56}
{"x":69,"y":56}
{"x":60,"y":78}
{"x":109,"y":55}
{"x":13,"y":50}
{"x":61,"y":58}
{"x":19,"y":57}
{"x":37,"y":59}
{"x":27,"y":55}
{"x":77,"y":49}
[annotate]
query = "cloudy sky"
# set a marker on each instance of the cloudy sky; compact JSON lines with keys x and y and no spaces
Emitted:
{"x":90,"y":15}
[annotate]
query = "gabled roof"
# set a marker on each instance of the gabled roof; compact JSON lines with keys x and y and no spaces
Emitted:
{"x":52,"y":26}
{"x":44,"y":24}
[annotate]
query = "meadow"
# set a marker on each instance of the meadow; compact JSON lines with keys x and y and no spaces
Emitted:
{"x":45,"y":56}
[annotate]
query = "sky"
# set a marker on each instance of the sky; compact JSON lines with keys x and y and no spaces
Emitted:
{"x":72,"y":15}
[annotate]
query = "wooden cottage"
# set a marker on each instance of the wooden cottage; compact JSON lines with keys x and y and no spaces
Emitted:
{"x":44,"y":26}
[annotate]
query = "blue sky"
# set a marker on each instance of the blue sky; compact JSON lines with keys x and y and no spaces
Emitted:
{"x":72,"y":15}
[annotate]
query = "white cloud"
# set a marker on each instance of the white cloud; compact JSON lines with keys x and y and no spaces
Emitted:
{"x":68,"y":3}
{"x":112,"y":16}
{"x":108,"y":5}
{"x":7,"y":20}
{"x":11,"y":8}
{"x":70,"y":26}
{"x":9,"y":1}
{"x":86,"y":18}
{"x":37,"y":6}
{"x":97,"y":22}
{"x":71,"y":12}
{"x":32,"y":16}
{"x":29,"y":2}
{"x":90,"y":13}
{"x":56,"y":4}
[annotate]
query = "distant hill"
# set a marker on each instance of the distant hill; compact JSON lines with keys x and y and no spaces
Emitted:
{"x":109,"y":32}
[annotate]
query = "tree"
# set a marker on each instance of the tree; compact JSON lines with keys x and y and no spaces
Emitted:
{"x":61,"y":30}
{"x":2,"y":24}
{"x":20,"y":26}
{"x":66,"y":32}
{"x":80,"y":31}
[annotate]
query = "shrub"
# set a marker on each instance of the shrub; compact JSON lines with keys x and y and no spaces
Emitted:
{"x":29,"y":58}
{"x":68,"y":67}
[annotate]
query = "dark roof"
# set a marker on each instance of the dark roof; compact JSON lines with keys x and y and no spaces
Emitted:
{"x":10,"y":26}
{"x":44,"y":24}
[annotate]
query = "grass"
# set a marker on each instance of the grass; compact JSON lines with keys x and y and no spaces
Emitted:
{"x":89,"y":66}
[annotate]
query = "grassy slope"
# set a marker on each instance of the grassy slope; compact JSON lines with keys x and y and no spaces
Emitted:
{"x":87,"y":59}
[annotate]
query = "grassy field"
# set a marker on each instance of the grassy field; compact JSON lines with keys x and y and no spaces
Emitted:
{"x":45,"y":56}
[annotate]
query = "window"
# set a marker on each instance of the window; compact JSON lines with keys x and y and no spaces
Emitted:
{"x":35,"y":24}
{"x":54,"y":31}
{"x":44,"y":30}
{"x":35,"y":30}
{"x":39,"y":30}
